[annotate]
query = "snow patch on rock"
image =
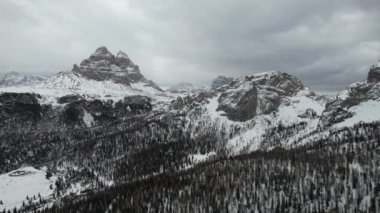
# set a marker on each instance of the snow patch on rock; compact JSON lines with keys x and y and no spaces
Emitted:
{"x":88,"y":119}
{"x":198,"y":158}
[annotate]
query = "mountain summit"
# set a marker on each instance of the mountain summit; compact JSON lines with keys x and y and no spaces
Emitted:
{"x":103,"y":65}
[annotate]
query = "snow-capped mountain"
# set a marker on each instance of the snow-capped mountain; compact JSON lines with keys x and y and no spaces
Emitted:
{"x":17,"y":79}
{"x":104,"y":124}
{"x":103,"y":65}
{"x":101,"y":76}
{"x":242,"y":111}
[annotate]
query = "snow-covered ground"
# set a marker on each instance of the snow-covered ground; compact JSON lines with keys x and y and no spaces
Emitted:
{"x":198,"y":158}
{"x":16,"y":185}
{"x":364,"y":112}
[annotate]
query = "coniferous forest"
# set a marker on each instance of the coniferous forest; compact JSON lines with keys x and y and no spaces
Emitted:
{"x":340,"y":173}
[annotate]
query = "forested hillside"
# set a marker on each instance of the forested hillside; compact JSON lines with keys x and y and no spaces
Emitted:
{"x":338,"y":174}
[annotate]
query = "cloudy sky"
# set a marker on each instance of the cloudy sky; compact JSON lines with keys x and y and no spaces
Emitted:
{"x":327,"y":44}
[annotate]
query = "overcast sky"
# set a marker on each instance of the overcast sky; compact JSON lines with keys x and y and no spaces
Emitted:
{"x":327,"y":44}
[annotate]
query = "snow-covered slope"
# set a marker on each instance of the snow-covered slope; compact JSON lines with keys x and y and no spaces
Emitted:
{"x":367,"y":111}
{"x":17,"y":185}
{"x":360,"y":102}
{"x":67,"y":83}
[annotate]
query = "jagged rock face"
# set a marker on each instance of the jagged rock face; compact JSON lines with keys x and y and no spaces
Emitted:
{"x":133,"y":105}
{"x":374,"y":74}
{"x":282,"y":83}
{"x":103,"y":65}
{"x":239,"y":105}
{"x":220,"y":81}
{"x":337,"y":110}
{"x":75,"y":112}
{"x":245,"y":97}
{"x":20,"y":107}
{"x":268,"y":101}
{"x":18,"y":79}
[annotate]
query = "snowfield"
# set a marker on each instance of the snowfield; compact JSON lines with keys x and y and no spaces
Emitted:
{"x":69,"y":83}
{"x":364,"y":112}
{"x":197,"y":158}
{"x":16,"y":185}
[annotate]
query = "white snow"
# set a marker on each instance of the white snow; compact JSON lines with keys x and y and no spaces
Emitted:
{"x":68,"y":83}
{"x":88,"y":119}
{"x":343,"y":95}
{"x":14,"y":188}
{"x":299,"y":104}
{"x":367,"y":112}
{"x":251,"y":138}
{"x":198,"y":158}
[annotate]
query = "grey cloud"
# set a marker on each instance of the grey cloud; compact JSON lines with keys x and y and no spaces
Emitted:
{"x":327,"y":44}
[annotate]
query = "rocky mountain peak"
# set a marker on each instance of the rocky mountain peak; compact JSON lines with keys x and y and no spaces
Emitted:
{"x":374,"y":74}
{"x":245,"y":97}
{"x":102,"y":53}
{"x":102,"y":65}
{"x":122,"y":60}
{"x":121,"y":54}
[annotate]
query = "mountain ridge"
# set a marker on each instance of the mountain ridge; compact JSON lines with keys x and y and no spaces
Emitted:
{"x":93,"y":131}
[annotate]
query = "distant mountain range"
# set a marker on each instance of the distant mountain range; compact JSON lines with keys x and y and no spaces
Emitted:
{"x":17,"y":79}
